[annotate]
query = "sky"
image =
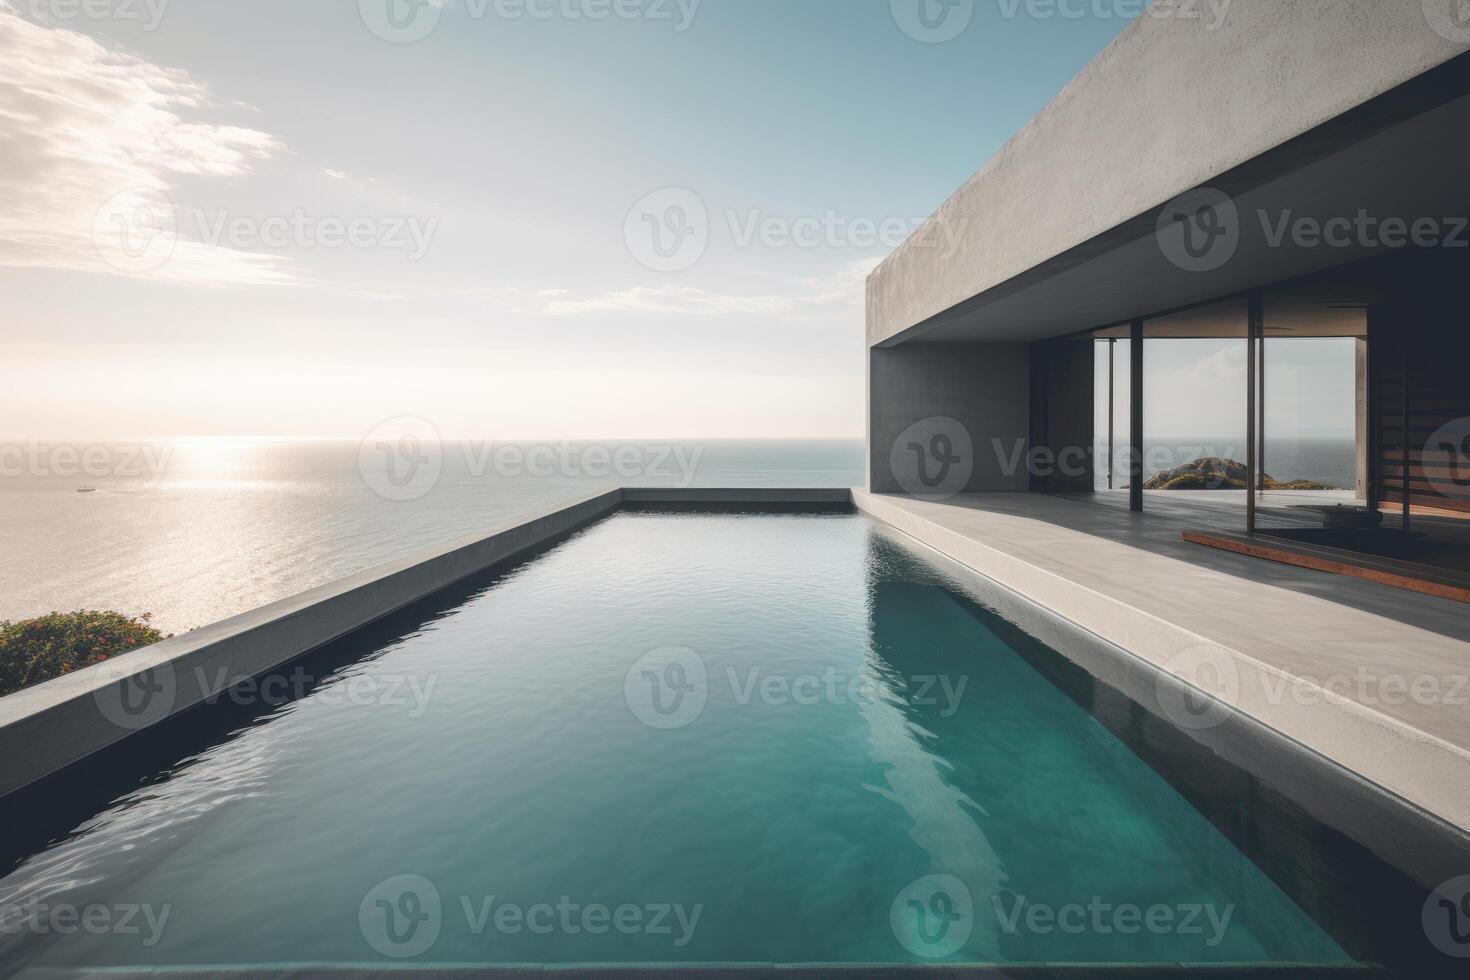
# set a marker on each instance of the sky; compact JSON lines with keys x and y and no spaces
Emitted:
{"x":299,"y":218}
{"x":1196,"y":389}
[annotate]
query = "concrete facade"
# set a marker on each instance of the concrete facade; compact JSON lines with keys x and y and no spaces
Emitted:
{"x":983,"y":387}
{"x":1317,"y":112}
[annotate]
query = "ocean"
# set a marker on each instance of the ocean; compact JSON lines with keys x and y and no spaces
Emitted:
{"x":196,"y":532}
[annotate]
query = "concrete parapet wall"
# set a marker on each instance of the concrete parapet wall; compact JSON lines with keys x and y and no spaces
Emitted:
{"x":47,"y":727}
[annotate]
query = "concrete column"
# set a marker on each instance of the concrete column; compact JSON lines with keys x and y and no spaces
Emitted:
{"x":1364,"y":474}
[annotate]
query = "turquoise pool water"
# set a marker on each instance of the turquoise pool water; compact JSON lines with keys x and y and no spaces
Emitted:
{"x":672,"y":739}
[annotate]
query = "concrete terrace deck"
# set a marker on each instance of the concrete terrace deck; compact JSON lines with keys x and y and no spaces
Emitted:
{"x":1371,"y":677}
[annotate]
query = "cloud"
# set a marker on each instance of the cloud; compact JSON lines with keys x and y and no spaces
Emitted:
{"x":364,"y":186}
{"x":495,"y":294}
{"x":93,"y":140}
{"x":1225,"y":365}
{"x":670,"y":299}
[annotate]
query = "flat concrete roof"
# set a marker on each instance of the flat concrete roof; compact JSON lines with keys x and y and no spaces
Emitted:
{"x":1058,"y":229}
{"x":1314,"y":656}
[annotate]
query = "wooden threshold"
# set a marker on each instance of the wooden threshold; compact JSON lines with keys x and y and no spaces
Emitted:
{"x":1385,"y":571}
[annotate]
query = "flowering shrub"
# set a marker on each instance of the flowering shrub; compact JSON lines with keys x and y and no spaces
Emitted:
{"x":36,"y":650}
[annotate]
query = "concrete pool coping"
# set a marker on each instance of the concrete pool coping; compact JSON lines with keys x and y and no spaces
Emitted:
{"x":48,"y":727}
{"x":1276,"y":647}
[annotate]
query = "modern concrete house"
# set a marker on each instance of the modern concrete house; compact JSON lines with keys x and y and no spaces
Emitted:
{"x":1294,"y":171}
{"x":1011,"y":710}
{"x":1347,"y":118}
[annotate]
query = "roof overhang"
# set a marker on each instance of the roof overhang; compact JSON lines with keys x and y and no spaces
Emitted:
{"x":1279,"y":110}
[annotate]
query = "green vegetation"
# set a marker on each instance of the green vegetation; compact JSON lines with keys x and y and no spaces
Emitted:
{"x":1213,"y":473}
{"x":36,"y":650}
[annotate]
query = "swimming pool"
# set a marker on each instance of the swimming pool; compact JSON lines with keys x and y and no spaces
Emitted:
{"x":673,"y":738}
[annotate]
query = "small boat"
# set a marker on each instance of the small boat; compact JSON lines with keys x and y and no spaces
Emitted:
{"x":86,"y":489}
